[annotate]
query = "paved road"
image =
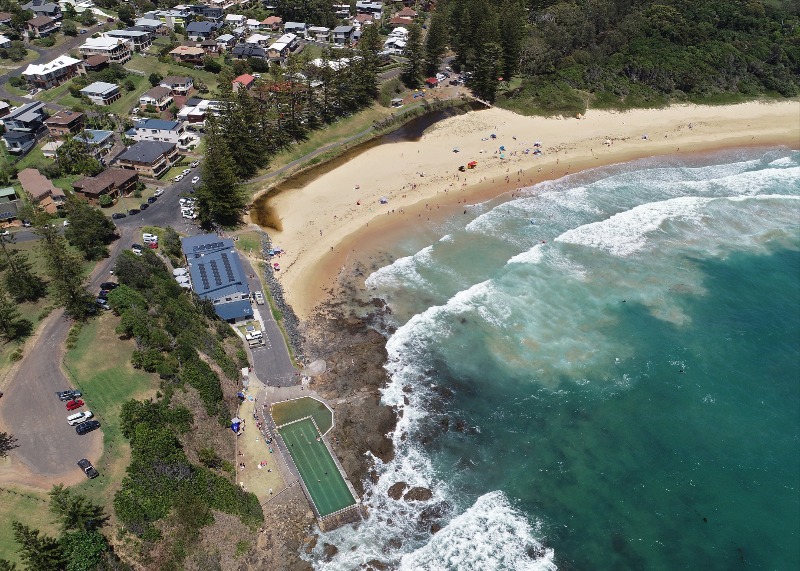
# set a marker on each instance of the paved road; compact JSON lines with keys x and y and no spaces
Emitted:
{"x":271,"y":362}
{"x":30,"y":410}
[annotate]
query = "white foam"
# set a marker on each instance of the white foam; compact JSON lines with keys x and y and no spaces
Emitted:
{"x":533,"y":256}
{"x":626,"y":232}
{"x":746,"y":183}
{"x":402,"y":272}
{"x":783,"y":162}
{"x":490,"y":536}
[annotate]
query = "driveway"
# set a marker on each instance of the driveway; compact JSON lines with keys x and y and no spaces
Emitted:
{"x":30,"y":410}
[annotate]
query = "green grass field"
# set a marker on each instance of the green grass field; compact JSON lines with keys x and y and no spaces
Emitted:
{"x":30,"y":508}
{"x":100,"y":366}
{"x":295,"y":409}
{"x":317,"y":468}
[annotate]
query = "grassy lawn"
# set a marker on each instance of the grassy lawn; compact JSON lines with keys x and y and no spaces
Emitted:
{"x":130,"y":99}
{"x":243,"y":328}
{"x":150,"y":64}
{"x":249,"y":242}
{"x":30,"y":508}
{"x":100,"y":365}
{"x":339,"y":130}
{"x":34,"y":159}
{"x":54,"y":93}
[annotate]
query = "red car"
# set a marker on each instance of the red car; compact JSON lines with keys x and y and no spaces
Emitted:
{"x":74,"y":404}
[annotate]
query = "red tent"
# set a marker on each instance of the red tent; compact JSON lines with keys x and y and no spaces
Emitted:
{"x":431,"y":82}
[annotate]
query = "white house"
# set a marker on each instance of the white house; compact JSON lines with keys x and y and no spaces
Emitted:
{"x":283,"y":46}
{"x":258,"y":39}
{"x":102,"y":93}
{"x":161,"y":131}
{"x":56,"y":72}
{"x":117,"y":50}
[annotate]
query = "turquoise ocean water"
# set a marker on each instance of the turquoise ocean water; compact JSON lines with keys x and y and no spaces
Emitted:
{"x":602,"y":373}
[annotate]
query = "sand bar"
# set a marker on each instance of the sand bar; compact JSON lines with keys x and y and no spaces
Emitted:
{"x":340,"y":212}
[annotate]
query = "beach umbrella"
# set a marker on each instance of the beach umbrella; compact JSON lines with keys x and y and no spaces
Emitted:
{"x":384,"y":200}
{"x":456,"y":149}
{"x":179,"y":272}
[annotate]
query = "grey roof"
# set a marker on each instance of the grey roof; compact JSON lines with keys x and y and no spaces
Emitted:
{"x":294,"y":25}
{"x":94,"y":137}
{"x":160,"y":124}
{"x":202,"y":27}
{"x":99,"y":88}
{"x":249,"y":50}
{"x":18,"y":135}
{"x":26,"y":112}
{"x":342,"y":29}
{"x":127,"y":33}
{"x":234,"y":310}
{"x":145,"y":151}
{"x":214,"y":266}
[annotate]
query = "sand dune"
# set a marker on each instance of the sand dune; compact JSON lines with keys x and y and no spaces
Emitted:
{"x":332,"y":209}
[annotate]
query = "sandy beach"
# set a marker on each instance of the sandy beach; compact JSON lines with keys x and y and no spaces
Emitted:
{"x":341,"y":211}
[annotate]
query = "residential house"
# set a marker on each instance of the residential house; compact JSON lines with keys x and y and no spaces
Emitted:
{"x":226,"y":41}
{"x":272,"y":23}
{"x":218,"y":276}
{"x":149,"y":158}
{"x":64,"y":122}
{"x":27,"y":118}
{"x":362,"y":19}
{"x":196,"y":110}
{"x":295,"y":28}
{"x":38,"y":187}
{"x":41,"y":26}
{"x":19,"y":142}
{"x":210,"y":47}
{"x":245,"y":81}
{"x":41,"y":8}
{"x":93,"y":63}
{"x":152,"y":25}
{"x":399,"y":21}
{"x":102,"y":93}
{"x":160,"y":131}
{"x":9,"y":204}
{"x":5,"y":18}
{"x":280,"y":49}
{"x":50,"y":149}
{"x":99,"y":143}
{"x":247,"y":51}
{"x":258,"y":40}
{"x":5,"y":42}
{"x":178,"y":85}
{"x":140,"y":39}
{"x":374,"y":8}
{"x":56,"y":72}
{"x":234,"y":20}
{"x":213,"y":13}
{"x":407,"y":13}
{"x":171,"y":18}
{"x":159,"y":97}
{"x":5,"y":109}
{"x":188,"y":54}
{"x":199,"y":31}
{"x":342,"y":34}
{"x":342,"y":11}
{"x":113,"y":182}
{"x":252,"y":24}
{"x":118,"y":50}
{"x":319,"y":33}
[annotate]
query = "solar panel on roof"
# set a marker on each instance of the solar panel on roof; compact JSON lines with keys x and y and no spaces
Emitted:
{"x":203,"y":276}
{"x":228,"y":269}
{"x":215,"y":271}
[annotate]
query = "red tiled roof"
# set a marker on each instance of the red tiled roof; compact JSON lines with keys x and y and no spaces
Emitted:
{"x":244,"y":79}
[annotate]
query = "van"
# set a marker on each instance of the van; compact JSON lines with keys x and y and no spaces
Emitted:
{"x":148,"y":238}
{"x":78,"y":417}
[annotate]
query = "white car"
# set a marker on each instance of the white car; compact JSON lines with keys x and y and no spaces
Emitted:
{"x":79,"y":417}
{"x":195,"y":164}
{"x":259,"y":298}
{"x":186,"y":171}
{"x":178,"y":178}
{"x":5,"y":233}
{"x":158,"y":192}
{"x":190,"y":216}
{"x":148,"y":238}
{"x":195,"y":180}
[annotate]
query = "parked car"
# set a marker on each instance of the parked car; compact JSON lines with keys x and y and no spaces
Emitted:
{"x":137,"y":249}
{"x":185,"y":200}
{"x":88,"y":426}
{"x":79,"y":417}
{"x":144,"y":206}
{"x":158,"y":192}
{"x":186,"y":171}
{"x":68,"y":395}
{"x":66,"y":222}
{"x":195,"y":164}
{"x":195,"y":180}
{"x":147,"y":237}
{"x":100,"y":302}
{"x":74,"y":404}
{"x":5,"y":233}
{"x":26,"y":224}
{"x":152,"y":199}
{"x":103,"y":294}
{"x":88,"y":469}
{"x":109,"y":285}
{"x":118,"y":215}
{"x":133,"y":211}
{"x":259,"y":298}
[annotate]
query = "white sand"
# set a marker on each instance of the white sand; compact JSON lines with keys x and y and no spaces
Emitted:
{"x":325,"y":212}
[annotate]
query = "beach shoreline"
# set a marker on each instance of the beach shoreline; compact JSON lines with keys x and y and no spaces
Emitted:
{"x":337,"y":218}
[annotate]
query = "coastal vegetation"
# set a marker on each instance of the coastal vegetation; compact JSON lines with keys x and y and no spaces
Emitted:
{"x":569,"y":55}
